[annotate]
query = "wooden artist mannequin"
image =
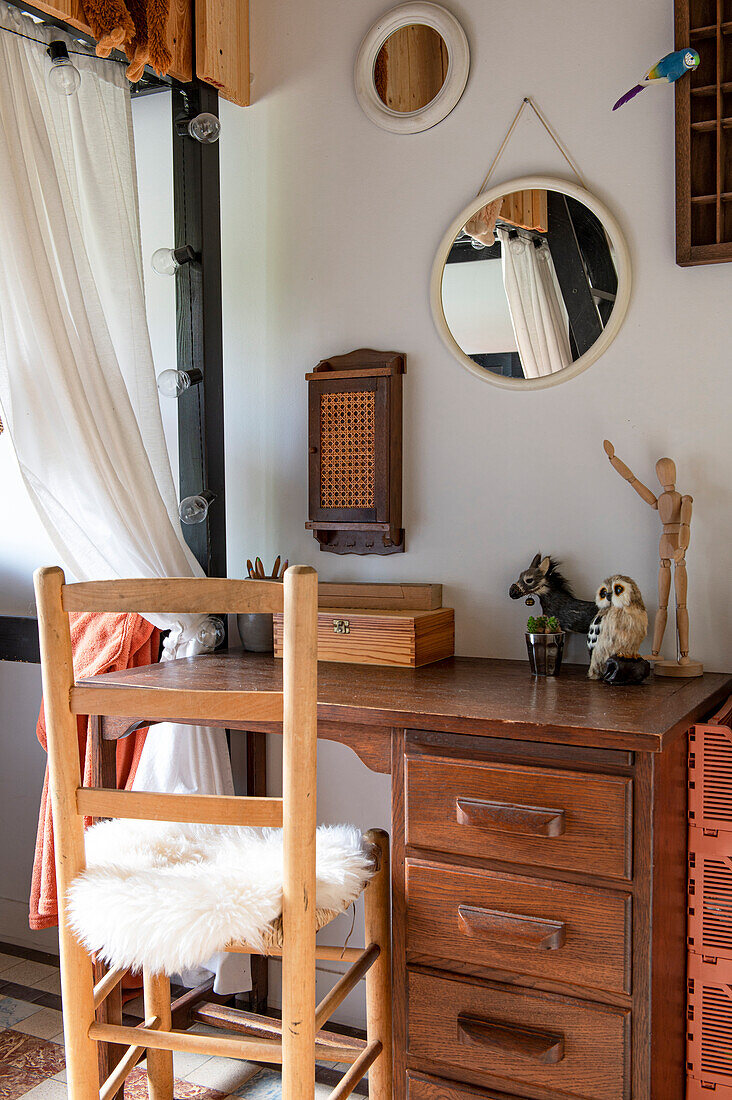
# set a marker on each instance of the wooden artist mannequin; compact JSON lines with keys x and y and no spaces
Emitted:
{"x":675,"y":513}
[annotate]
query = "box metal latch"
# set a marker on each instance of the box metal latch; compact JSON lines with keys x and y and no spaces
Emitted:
{"x":341,"y":626}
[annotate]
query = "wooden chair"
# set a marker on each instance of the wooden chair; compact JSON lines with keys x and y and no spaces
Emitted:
{"x":298,"y":1043}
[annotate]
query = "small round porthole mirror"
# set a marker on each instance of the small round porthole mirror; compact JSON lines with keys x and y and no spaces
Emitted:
{"x":412,"y":68}
{"x":531,"y":282}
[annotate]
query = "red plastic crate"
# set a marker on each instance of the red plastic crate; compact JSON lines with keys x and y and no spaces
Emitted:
{"x":710,"y":771}
{"x":709,"y":929}
{"x":709,"y":1023}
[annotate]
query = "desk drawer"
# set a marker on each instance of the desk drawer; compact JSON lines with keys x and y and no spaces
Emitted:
{"x":574,"y":934}
{"x":568,"y":820}
{"x":511,"y":1038}
{"x":421,"y":1088}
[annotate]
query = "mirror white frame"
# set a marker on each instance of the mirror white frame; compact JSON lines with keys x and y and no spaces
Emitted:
{"x":458,"y":52}
{"x":622,"y":261}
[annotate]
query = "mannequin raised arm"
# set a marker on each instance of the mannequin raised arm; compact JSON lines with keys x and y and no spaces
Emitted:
{"x":625,"y":472}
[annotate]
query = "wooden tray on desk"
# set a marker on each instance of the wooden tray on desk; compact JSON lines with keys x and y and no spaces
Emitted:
{"x":403,"y":639}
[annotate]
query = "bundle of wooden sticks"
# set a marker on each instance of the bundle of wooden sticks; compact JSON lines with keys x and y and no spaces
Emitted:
{"x":256,"y":572}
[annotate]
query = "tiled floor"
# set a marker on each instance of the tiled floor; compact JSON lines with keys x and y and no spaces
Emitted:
{"x":32,"y":1055}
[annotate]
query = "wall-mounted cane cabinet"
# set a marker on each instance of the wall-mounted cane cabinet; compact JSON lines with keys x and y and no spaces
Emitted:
{"x":221,"y":29}
{"x":704,"y":134}
{"x":355,"y":452}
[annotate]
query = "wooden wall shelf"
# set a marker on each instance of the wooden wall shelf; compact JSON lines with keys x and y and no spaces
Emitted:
{"x":221,"y":29}
{"x":704,"y":135}
{"x":222,"y":47}
{"x":180,"y":29}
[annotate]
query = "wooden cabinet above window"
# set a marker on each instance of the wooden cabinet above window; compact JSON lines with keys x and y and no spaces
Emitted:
{"x":221,"y":29}
{"x":222,"y":47}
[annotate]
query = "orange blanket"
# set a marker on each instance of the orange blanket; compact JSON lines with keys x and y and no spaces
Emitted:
{"x":101,"y":643}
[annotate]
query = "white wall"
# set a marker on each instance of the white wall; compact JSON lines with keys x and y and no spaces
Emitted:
{"x":330,"y":228}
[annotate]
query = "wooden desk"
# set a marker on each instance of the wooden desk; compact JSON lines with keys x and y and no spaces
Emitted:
{"x":539,"y":867}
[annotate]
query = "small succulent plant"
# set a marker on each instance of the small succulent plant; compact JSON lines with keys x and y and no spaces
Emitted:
{"x":543,"y":624}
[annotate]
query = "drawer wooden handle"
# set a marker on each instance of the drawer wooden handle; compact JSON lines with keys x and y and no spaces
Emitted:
{"x":510,"y":818}
{"x":542,"y":1047}
{"x":512,"y":928}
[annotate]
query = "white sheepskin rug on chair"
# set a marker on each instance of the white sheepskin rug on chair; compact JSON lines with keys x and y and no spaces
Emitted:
{"x":167,"y":897}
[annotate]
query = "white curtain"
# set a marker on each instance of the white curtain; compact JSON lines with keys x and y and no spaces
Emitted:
{"x":538,"y":314}
{"x":77,"y":379}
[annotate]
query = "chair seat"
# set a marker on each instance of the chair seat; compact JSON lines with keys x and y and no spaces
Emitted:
{"x":167,"y":897}
{"x":274,"y":937}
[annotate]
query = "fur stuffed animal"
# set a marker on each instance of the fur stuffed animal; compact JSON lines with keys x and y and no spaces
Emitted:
{"x":139,"y":27}
{"x":619,"y":626}
{"x":544,"y":579}
{"x":110,"y":23}
{"x":148,"y":45}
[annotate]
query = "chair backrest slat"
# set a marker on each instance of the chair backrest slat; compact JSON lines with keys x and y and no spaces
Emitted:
{"x":193,"y":708}
{"x":206,"y":809}
{"x":175,"y":596}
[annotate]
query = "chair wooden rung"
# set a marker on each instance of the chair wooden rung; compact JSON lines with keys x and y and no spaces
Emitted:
{"x":121,"y":1071}
{"x":107,"y":984}
{"x":265,"y":1027}
{"x":208,"y":809}
{"x":245,"y":1048}
{"x":359,"y":1069}
{"x":129,"y":1060}
{"x":337,"y":995}
{"x":324,"y":952}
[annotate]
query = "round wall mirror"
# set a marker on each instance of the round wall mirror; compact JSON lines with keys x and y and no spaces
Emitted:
{"x":531,"y":282}
{"x":412,"y":68}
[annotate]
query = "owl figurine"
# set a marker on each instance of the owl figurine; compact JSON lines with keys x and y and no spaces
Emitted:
{"x":619,"y":626}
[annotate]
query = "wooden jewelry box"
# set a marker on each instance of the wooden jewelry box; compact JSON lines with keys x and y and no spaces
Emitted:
{"x":363,"y":636}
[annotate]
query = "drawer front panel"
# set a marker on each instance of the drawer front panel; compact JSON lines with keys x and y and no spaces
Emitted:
{"x":574,"y":934}
{"x":519,"y":1037}
{"x":568,"y":820}
{"x":421,"y":1088}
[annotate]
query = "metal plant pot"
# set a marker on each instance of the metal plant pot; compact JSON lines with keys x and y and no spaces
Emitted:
{"x":545,"y":653}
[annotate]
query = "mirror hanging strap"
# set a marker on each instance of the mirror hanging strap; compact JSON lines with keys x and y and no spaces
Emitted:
{"x":528,"y":101}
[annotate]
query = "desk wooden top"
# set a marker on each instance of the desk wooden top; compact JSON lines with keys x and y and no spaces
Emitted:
{"x":467,"y":695}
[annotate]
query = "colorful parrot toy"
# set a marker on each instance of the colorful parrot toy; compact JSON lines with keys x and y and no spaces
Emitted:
{"x":668,"y":70}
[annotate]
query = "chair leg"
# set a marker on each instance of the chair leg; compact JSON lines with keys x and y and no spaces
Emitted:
{"x":156,"y":995}
{"x":299,"y":728}
{"x":378,"y":979}
{"x":298,"y":1024}
{"x":77,"y":996}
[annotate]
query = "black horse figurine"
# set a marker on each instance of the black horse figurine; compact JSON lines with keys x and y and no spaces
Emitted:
{"x":543,"y":579}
